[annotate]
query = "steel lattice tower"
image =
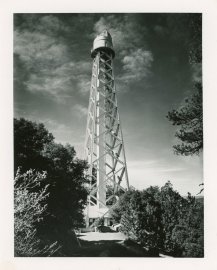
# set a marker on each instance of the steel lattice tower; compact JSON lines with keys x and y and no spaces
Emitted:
{"x":104,"y":146}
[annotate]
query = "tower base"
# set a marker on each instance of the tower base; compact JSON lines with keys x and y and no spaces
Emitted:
{"x":94,"y":213}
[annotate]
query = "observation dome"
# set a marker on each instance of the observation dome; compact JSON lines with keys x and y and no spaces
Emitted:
{"x":103,"y":42}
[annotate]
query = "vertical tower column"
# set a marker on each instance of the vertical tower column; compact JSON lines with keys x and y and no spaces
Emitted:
{"x":104,"y":146}
{"x":100,"y":135}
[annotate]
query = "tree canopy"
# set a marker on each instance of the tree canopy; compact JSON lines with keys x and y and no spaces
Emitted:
{"x":162,"y":220}
{"x":189,"y":118}
{"x":36,"y":149}
{"x":30,"y":140}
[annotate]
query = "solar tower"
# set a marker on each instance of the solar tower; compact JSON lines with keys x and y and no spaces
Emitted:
{"x":104,"y":145}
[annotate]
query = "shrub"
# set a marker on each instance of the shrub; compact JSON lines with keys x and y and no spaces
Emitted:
{"x":141,"y":218}
{"x":162,"y":219}
{"x":29,"y":207}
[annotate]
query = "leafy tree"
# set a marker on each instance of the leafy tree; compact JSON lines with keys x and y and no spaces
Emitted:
{"x":188,"y":234}
{"x":30,"y":139}
{"x":163,"y":219}
{"x":182,"y":220}
{"x":140,"y":216}
{"x":67,"y":191}
{"x":190,"y":120}
{"x":172,"y":204}
{"x":29,"y":208}
{"x":121,"y":206}
{"x":36,"y":149}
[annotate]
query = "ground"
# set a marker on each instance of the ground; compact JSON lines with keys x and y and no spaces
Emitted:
{"x":109,"y":244}
{"x":97,"y":236}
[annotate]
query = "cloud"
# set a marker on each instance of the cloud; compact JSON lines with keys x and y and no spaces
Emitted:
{"x":173,"y":169}
{"x":51,"y":25}
{"x":84,"y":85}
{"x":65,"y":134}
{"x":141,"y":164}
{"x":160,"y":30}
{"x":41,"y":54}
{"x":153,"y":165}
{"x":52,"y":68}
{"x":38,"y":50}
{"x":43,"y":45}
{"x":137,"y":65}
{"x":197,"y":72}
{"x":80,"y":110}
{"x":126,"y":32}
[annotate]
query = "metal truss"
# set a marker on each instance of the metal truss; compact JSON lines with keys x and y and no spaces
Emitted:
{"x":104,"y":146}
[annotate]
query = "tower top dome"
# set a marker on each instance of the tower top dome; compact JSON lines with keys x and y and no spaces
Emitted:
{"x":103,"y":42}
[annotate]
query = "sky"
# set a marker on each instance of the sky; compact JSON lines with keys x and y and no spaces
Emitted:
{"x":52,"y":72}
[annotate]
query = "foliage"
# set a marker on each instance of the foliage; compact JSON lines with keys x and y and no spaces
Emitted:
{"x":182,"y":220}
{"x":29,"y":208}
{"x":190,"y":119}
{"x":162,"y":219}
{"x":30,"y":139}
{"x":172,"y":205}
{"x":65,"y":179}
{"x":195,"y":44}
{"x":188,"y":235}
{"x":67,"y":191}
{"x":140,"y":215}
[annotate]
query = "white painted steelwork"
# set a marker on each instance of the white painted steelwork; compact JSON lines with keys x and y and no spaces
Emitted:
{"x":104,"y":146}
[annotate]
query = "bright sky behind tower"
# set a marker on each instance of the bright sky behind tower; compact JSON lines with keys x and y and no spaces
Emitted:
{"x":52,"y":72}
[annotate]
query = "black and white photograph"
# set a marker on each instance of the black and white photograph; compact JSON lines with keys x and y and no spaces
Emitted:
{"x":108,"y":135}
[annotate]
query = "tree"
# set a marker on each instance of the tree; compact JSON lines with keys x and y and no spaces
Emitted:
{"x":195,"y":43}
{"x":161,"y":219}
{"x":189,"y":117}
{"x":172,"y":204}
{"x":140,"y":216}
{"x":67,"y":186}
{"x":29,"y":207}
{"x":30,"y":139}
{"x":36,"y":149}
{"x":182,"y":220}
{"x":190,"y":120}
{"x":188,"y":234}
